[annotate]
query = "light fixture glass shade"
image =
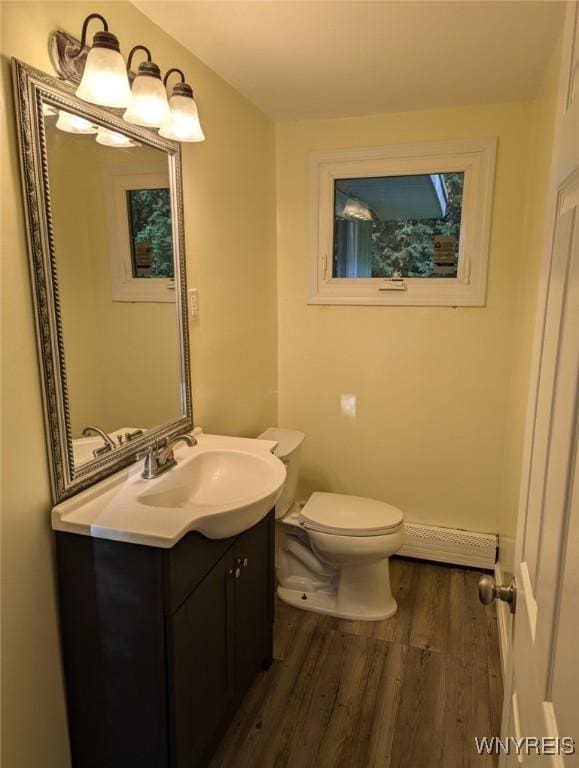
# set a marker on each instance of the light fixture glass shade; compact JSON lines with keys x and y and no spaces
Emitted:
{"x":183,"y":121}
{"x":148,"y":105}
{"x":113,"y":139}
{"x":104,"y":80}
{"x":74,"y":123}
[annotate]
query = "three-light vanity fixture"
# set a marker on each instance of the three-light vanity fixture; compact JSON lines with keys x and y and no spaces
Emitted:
{"x":105,"y":81}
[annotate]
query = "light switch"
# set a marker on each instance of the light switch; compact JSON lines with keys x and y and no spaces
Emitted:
{"x":193,"y":296}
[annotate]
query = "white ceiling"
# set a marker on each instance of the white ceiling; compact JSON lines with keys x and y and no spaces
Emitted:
{"x":337,"y":58}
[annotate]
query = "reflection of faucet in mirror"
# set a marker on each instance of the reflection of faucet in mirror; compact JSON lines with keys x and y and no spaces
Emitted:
{"x":109,"y":442}
{"x":128,"y":436}
{"x":159,"y":457}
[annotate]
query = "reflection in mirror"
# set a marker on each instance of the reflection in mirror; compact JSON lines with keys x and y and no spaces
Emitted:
{"x":111,"y":208}
{"x":151,"y":232}
{"x":398,"y":226}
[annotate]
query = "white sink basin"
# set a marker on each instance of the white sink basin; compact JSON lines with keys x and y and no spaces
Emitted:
{"x":227,"y":491}
{"x":220,"y":487}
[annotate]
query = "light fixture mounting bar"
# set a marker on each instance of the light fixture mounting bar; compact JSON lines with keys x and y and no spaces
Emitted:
{"x":66,"y":57}
{"x":147,"y":67}
{"x":68,"y":54}
{"x":179,"y":89}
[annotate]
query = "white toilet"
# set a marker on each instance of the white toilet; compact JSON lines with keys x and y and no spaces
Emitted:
{"x":332,"y":552}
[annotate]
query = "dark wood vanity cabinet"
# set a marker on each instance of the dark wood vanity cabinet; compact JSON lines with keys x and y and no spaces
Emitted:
{"x":218,"y":638}
{"x":160,"y":645}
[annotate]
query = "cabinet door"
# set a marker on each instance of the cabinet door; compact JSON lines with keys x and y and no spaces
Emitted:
{"x":200,"y":656}
{"x":253,"y":599}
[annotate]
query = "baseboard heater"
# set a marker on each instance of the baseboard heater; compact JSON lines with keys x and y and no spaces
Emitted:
{"x":449,"y":545}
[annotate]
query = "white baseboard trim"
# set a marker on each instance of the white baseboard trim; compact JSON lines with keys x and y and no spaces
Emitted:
{"x":504,"y":623}
{"x":449,"y":545}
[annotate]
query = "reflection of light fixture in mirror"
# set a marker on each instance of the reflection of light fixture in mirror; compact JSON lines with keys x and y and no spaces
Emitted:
{"x":182,"y":123}
{"x":104,"y":80}
{"x":73,"y":123}
{"x":148,"y":105}
{"x":113,"y":139}
{"x":356,"y":209}
{"x":48,"y":110}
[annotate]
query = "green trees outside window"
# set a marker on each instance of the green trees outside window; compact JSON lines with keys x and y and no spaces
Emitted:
{"x":151,"y":232}
{"x":406,"y":247}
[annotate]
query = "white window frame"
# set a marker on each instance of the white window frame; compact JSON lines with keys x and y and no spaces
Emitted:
{"x":473,"y":157}
{"x":118,"y":180}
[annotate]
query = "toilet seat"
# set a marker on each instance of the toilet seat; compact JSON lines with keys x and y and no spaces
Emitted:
{"x":342,"y":515}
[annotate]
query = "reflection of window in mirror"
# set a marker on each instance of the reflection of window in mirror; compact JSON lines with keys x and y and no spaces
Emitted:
{"x":405,"y":224}
{"x":151,"y":235}
{"x":140,"y":232}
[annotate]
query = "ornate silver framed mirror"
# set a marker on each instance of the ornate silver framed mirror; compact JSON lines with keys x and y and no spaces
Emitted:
{"x":104,"y":212}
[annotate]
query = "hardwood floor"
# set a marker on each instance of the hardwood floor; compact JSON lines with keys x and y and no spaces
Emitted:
{"x":409,"y":692}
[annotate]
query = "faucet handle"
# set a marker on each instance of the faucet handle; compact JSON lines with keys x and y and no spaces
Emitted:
{"x":159,"y":456}
{"x":153,"y":450}
{"x":128,"y":436}
{"x":151,"y":457}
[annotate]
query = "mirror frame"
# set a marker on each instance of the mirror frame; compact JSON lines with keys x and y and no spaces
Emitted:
{"x":31,"y":88}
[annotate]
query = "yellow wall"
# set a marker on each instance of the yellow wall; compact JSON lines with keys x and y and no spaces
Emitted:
{"x":439,"y":391}
{"x":525,"y":291}
{"x":432,"y":384}
{"x":229,"y":191}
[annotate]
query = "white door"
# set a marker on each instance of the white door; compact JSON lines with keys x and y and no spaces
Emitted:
{"x":542,"y":679}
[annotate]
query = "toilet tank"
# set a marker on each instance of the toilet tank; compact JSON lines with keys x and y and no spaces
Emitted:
{"x":288,"y":450}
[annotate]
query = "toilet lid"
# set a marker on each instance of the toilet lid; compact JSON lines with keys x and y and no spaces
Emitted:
{"x":349,"y":515}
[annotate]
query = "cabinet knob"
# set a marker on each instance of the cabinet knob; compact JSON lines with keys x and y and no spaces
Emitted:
{"x":237,"y":572}
{"x":242,"y":561}
{"x":245,"y":562}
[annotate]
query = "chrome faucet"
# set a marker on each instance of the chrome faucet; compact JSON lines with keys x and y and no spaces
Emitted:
{"x":109,"y":442}
{"x":159,"y":457}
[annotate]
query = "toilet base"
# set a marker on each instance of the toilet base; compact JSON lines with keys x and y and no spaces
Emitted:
{"x":363,"y":594}
{"x":322,"y":602}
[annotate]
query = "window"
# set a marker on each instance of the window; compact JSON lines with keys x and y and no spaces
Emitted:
{"x":397,"y":226}
{"x":406,"y":224}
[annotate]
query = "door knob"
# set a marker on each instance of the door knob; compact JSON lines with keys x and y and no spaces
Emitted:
{"x":489,"y":591}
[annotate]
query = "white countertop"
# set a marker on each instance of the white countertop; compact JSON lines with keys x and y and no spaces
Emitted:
{"x":114,"y":508}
